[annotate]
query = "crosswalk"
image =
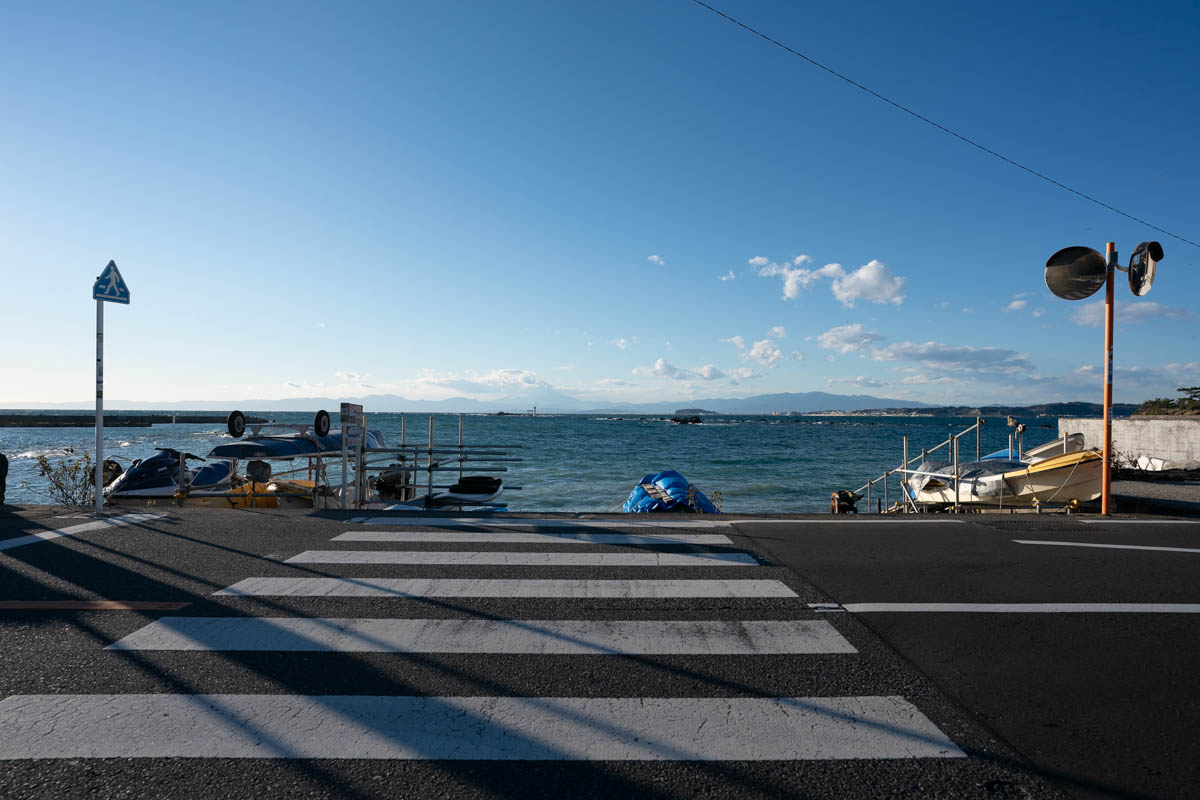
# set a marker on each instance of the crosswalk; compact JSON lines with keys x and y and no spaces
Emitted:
{"x":711,"y":613}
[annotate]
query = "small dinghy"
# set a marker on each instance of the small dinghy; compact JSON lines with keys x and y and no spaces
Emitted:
{"x":667,"y":491}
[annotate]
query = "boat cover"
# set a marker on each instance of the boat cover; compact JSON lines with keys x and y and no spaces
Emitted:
{"x":970,"y":473}
{"x":295,"y":446}
{"x":672,"y":491}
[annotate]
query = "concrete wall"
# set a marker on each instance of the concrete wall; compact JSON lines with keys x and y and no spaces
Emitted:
{"x":1173,"y":438}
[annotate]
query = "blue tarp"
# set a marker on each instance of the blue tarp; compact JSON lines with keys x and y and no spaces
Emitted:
{"x":676,"y":487}
{"x":288,"y":446}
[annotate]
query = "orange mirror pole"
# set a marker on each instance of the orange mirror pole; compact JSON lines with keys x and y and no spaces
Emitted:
{"x":1110,"y":258}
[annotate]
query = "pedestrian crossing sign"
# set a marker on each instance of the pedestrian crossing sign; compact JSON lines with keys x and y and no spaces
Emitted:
{"x":110,"y":286}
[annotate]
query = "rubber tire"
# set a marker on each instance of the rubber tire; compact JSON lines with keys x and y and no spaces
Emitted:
{"x":321,"y":423}
{"x":236,"y":423}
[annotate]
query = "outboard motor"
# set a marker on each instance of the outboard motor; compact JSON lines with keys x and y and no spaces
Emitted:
{"x":390,"y":485}
{"x":258,"y":471}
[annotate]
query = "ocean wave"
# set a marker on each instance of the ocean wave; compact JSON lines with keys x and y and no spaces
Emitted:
{"x":53,"y":452}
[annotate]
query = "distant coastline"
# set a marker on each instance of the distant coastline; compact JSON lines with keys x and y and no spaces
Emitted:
{"x":1040,"y":410}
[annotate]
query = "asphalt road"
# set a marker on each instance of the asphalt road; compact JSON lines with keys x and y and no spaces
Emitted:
{"x":430,"y":679}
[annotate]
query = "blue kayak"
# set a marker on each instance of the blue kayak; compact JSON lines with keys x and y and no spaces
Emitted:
{"x":667,"y":491}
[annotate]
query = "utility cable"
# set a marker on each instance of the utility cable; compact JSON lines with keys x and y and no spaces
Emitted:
{"x":941,"y":128}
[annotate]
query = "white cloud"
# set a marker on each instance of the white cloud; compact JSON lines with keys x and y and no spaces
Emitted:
{"x":728,"y":277}
{"x":656,"y":260}
{"x":766,"y":353}
{"x":1016,"y":305}
{"x":1091,"y":315}
{"x":498,"y":381}
{"x":795,"y":276}
{"x":861,"y":381}
{"x":743,"y":374}
{"x":736,"y":341}
{"x":778,"y":332}
{"x":848,"y":338}
{"x":662,"y":369}
{"x":796,"y":354}
{"x":873,"y":282}
{"x":1038,"y":312}
{"x":924,"y":378}
{"x":939,"y":356}
{"x":623,"y":343}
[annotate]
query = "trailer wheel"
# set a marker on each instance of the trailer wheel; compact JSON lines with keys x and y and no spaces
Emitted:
{"x":321,"y":423}
{"x":236,"y":424}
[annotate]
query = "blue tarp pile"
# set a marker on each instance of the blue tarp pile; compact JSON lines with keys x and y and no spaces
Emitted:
{"x":671,"y":489}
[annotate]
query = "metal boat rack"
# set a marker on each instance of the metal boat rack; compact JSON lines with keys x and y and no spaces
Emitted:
{"x":410,"y":459}
{"x":357,"y":463}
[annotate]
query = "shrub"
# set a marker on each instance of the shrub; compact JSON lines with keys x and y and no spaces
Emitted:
{"x":70,"y":481}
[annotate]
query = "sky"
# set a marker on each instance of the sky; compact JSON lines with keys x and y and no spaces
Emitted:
{"x":613,"y":200}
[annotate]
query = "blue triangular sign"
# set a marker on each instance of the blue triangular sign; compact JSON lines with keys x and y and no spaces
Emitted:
{"x":110,"y":286}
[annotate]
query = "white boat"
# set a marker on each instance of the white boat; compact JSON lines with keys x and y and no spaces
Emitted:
{"x":1063,"y":479}
{"x":1071,"y":443}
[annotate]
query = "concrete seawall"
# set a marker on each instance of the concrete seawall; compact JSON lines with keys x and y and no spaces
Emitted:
{"x":1173,"y":438}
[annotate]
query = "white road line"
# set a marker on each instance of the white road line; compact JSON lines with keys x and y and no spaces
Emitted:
{"x":511,"y":559}
{"x":505,"y":587}
{"x":1103,"y":521}
{"x":853,"y":519}
{"x":536,"y":637}
{"x":42,"y":536}
{"x":476,"y":523}
{"x":511,"y":537}
{"x":1026,"y":608}
{"x":1111,"y":546}
{"x":467,"y":728}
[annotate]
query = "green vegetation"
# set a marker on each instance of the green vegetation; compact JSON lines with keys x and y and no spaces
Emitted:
{"x":1189,"y":404}
{"x":70,"y":482}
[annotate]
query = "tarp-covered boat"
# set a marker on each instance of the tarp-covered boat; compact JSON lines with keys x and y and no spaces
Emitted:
{"x":667,"y":491}
{"x":1057,"y":480}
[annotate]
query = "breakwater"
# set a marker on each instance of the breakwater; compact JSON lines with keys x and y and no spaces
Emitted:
{"x":111,"y":420}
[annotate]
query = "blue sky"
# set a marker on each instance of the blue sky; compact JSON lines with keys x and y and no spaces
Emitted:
{"x":619,"y":201}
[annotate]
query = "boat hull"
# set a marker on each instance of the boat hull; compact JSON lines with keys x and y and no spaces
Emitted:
{"x":1059,"y":480}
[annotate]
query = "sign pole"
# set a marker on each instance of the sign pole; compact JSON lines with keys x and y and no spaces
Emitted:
{"x":1110,"y":259}
{"x":99,"y":407}
{"x":109,"y":288}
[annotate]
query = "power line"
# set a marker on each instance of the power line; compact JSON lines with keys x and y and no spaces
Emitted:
{"x":941,"y":128}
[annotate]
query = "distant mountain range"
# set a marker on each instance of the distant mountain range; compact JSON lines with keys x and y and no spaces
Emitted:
{"x":549,"y":402}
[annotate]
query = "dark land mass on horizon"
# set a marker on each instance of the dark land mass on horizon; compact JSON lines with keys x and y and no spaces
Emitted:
{"x":1039,"y":410}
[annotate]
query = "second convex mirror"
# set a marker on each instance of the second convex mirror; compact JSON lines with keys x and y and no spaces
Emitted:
{"x":1074,"y":273}
{"x":1142,"y":264}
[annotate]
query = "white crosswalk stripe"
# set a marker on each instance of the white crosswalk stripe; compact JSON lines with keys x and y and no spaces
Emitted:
{"x":504,"y":587}
{"x":559,"y":728}
{"x":744,"y":726}
{"x":520,"y":559}
{"x":511,"y":537}
{"x":544,"y":637}
{"x":479,"y":523}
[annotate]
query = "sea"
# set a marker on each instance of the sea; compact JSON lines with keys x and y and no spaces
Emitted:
{"x":589,"y":462}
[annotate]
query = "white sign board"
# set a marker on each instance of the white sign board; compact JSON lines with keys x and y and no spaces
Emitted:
{"x":352,"y":414}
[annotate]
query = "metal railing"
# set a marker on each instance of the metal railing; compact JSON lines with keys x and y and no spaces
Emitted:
{"x":908,"y":503}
